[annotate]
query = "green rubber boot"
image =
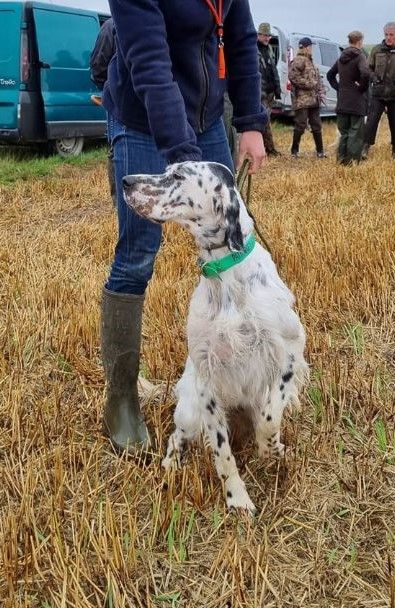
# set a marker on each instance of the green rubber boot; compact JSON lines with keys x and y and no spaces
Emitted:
{"x":121,"y":339}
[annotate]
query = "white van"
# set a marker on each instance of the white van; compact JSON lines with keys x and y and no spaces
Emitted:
{"x":325,"y":53}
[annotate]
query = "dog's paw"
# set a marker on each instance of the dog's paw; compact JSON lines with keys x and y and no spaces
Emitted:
{"x":277,"y":450}
{"x":237,"y":498}
{"x":171,"y":460}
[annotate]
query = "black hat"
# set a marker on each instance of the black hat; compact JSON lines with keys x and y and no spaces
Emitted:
{"x":303,"y":42}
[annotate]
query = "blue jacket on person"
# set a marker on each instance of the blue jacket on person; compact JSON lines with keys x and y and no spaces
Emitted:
{"x":163,"y":79}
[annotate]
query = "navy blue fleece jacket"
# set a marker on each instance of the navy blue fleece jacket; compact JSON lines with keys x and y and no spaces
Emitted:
{"x":163,"y":79}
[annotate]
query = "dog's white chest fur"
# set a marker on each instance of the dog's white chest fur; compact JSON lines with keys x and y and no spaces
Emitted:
{"x":235,"y":334}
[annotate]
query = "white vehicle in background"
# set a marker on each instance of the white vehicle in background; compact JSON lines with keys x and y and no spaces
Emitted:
{"x":325,"y":53}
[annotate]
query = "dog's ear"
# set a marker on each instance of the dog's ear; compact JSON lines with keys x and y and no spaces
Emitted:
{"x":227,"y":207}
{"x":231,"y":210}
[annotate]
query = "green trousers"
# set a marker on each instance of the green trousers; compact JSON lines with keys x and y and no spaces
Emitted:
{"x":351,"y":129}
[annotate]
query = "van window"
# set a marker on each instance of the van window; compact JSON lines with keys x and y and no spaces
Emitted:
{"x":283,"y":46}
{"x":317,"y":54}
{"x":9,"y":47}
{"x":329,"y":53}
{"x":65,"y":39}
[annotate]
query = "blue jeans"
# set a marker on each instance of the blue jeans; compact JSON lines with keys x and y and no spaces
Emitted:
{"x":139,"y":239}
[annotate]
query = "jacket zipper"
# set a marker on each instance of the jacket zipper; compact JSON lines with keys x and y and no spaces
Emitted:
{"x":205,"y":85}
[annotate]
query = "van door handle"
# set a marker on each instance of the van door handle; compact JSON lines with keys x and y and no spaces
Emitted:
{"x":44,"y":65}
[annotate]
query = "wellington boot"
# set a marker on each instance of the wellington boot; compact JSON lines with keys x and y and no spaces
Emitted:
{"x":319,"y":145}
{"x":297,"y":136}
{"x":365,"y":151}
{"x":121,"y":339}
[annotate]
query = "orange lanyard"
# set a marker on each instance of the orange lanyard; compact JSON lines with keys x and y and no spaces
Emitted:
{"x":218,"y":14}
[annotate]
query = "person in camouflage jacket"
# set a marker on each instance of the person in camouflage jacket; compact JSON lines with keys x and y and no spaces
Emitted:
{"x":308,"y":93}
{"x":382,"y":66}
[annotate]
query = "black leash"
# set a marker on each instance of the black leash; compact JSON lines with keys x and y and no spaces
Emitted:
{"x":242,"y":178}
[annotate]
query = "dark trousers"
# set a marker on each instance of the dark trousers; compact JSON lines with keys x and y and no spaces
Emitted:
{"x":230,"y":130}
{"x":376,"y":109}
{"x":268,"y":134}
{"x":310,"y":115}
{"x":351,"y":137}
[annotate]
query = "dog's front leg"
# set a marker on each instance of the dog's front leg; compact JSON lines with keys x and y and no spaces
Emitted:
{"x":216,"y":430}
{"x":267,"y":426}
{"x":186,"y":417}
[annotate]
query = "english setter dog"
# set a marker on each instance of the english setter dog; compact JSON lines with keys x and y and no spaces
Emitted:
{"x":245,"y":341}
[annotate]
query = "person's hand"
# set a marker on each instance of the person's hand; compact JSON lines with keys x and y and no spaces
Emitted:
{"x":252,"y":147}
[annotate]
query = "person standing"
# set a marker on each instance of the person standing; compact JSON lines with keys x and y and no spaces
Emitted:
{"x":382,"y":66}
{"x":352,"y":85}
{"x":164,"y":96}
{"x":270,"y":82}
{"x":101,"y":56}
{"x":308,"y":95}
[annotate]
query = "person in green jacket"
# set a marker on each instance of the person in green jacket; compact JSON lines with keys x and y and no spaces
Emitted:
{"x":382,"y":66}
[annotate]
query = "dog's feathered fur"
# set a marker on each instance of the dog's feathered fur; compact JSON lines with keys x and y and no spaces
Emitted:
{"x":245,"y":340}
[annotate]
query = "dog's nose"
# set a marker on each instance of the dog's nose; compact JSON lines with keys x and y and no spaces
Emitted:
{"x":128,"y":181}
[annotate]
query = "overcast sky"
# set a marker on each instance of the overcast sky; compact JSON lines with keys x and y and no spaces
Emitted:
{"x":333,"y":18}
{"x":330,"y":18}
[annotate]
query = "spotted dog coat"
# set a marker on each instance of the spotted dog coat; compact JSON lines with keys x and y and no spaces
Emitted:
{"x":245,"y":341}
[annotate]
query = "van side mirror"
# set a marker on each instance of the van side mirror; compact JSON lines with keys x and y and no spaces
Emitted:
{"x":44,"y":65}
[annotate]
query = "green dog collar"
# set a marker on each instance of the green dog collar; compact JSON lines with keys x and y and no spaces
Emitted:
{"x":213,"y":269}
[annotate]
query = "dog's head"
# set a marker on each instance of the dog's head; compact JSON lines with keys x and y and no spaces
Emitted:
{"x":201,"y":196}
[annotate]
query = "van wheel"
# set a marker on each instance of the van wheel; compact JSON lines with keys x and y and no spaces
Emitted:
{"x":69,"y":146}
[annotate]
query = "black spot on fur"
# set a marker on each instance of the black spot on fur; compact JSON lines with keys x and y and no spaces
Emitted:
{"x":190,"y":202}
{"x":233,"y":234}
{"x":223,"y":174}
{"x":281,"y":387}
{"x":200,"y":183}
{"x":220,"y":439}
{"x":229,"y":494}
{"x":210,"y":408}
{"x":287,"y":377}
{"x":257,"y":277}
{"x":268,"y":417}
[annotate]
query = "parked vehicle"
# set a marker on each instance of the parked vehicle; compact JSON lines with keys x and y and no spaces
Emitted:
{"x":45,"y":85}
{"x":325,"y":53}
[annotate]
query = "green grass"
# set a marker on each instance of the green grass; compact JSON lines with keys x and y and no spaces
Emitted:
{"x":179,"y":534}
{"x":19,"y":164}
{"x":354,"y":333}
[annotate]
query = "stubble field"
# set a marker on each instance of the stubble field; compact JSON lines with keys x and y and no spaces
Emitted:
{"x":81,"y":527}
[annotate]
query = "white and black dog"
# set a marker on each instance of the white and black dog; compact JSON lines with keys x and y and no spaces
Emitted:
{"x":245,"y":341}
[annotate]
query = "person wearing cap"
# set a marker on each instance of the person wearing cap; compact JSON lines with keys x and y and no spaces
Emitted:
{"x":349,"y":76}
{"x":308,"y":94}
{"x":270,"y":82}
{"x":382,"y":66}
